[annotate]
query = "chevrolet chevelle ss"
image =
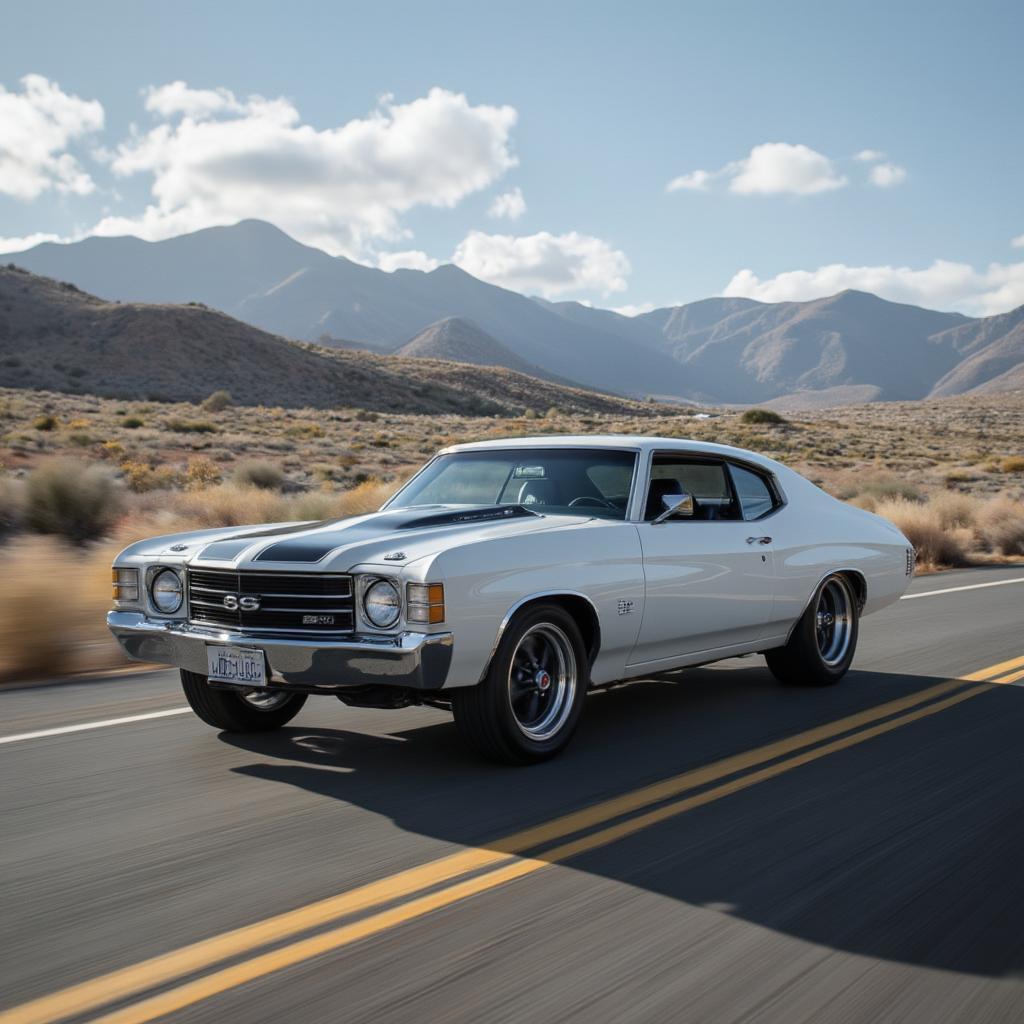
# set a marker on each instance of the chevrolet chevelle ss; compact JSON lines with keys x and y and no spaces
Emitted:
{"x":507,"y":578}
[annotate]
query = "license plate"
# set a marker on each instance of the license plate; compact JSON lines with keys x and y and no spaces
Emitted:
{"x":236,"y":665}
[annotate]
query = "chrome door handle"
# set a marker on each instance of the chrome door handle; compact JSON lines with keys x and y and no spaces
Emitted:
{"x":759,"y":540}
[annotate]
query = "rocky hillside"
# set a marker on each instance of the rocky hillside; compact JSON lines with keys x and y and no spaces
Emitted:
{"x":55,"y":337}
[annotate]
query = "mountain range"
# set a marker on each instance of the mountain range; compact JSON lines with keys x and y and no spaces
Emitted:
{"x":55,"y":337}
{"x":852,"y":346}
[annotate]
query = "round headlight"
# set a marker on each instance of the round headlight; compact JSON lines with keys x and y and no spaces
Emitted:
{"x":382,"y":604}
{"x":165,"y":590}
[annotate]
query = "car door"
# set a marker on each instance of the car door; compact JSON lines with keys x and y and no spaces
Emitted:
{"x":708,"y":575}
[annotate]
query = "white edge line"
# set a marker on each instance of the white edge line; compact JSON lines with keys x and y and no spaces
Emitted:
{"x":971,"y":586}
{"x":82,"y":727}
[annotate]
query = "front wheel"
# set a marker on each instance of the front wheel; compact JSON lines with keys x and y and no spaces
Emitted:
{"x":527,"y":706}
{"x":823,"y":642}
{"x":234,"y":711}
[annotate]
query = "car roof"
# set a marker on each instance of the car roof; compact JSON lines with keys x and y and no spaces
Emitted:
{"x":625,"y":442}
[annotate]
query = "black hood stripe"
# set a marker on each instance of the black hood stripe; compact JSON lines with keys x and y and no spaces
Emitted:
{"x":234,"y":546}
{"x":302,"y":549}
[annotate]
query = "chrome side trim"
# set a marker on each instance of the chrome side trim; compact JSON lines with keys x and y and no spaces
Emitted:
{"x":508,"y":616}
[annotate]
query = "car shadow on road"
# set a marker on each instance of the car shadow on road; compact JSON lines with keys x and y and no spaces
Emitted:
{"x":894,"y":848}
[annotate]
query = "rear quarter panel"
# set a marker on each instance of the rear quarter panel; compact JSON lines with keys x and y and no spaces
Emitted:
{"x":816,"y":534}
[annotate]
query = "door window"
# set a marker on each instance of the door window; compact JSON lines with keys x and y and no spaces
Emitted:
{"x":705,"y":480}
{"x":752,"y":491}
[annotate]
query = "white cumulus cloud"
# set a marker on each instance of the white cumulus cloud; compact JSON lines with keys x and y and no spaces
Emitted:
{"x":510,"y":205}
{"x":695,"y":181}
{"x":887,"y":175}
{"x":1018,"y":242}
{"x":943,"y":285}
{"x":633,"y":308}
{"x":869,"y":156}
{"x":20,"y":244}
{"x":410,"y":259}
{"x":545,"y":264}
{"x":778,"y":167}
{"x":36,"y":127}
{"x":177,"y":98}
{"x":772,"y":168}
{"x":216,"y":159}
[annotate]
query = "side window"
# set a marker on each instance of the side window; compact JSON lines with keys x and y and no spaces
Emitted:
{"x":754,"y":494}
{"x":704,"y":479}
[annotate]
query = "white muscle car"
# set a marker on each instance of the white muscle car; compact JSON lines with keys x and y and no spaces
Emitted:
{"x":506,"y":579}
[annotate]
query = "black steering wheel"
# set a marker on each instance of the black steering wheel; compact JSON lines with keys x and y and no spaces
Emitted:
{"x":591,"y":499}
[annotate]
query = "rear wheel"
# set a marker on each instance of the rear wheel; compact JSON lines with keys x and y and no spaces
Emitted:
{"x":240,"y":711}
{"x":529,"y":703}
{"x":823,"y":642}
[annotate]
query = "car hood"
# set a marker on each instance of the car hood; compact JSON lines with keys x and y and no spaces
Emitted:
{"x":390,"y":537}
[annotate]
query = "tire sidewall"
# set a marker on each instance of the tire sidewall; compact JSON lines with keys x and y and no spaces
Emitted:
{"x":809,"y":640}
{"x":496,"y":681}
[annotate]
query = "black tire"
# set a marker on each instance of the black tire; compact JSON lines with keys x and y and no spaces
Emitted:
{"x":231,"y":712}
{"x":486,"y":714}
{"x":820,"y":650}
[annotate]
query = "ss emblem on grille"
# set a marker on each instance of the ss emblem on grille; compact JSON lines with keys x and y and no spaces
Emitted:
{"x":248,"y":602}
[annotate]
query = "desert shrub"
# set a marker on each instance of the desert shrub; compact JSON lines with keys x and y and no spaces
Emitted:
{"x":954,"y":510}
{"x":869,"y":493}
{"x":41,"y":574}
{"x":143,"y":476}
{"x":366,"y":416}
{"x":82,"y":440}
{"x":201,"y":472}
{"x":303,"y":430}
{"x":112,"y":449}
{"x":999,"y":526}
{"x":366,"y":496}
{"x":12,"y":503}
{"x":1012,"y":464}
{"x":46,"y":423}
{"x":227,"y":504}
{"x":922,"y":526}
{"x":254,"y":473}
{"x":71,"y":499}
{"x":218,"y":401}
{"x":959,"y":476}
{"x":763,"y":416}
{"x":191,"y":426}
{"x":132,"y":423}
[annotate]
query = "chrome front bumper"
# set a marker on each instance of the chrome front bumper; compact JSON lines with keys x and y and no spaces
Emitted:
{"x":418,"y":661}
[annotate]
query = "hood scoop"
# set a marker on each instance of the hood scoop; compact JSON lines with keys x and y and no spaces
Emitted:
{"x":489,"y":513}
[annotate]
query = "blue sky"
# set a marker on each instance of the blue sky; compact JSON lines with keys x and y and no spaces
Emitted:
{"x":875,"y":145}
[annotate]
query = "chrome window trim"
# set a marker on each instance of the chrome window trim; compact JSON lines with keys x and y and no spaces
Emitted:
{"x":683,"y":455}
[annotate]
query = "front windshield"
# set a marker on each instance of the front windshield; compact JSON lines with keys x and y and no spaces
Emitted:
{"x":556,"y":481}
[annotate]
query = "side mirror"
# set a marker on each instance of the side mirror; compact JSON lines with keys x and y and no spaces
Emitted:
{"x":676,"y":505}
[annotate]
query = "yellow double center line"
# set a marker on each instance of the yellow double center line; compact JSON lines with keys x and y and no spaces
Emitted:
{"x":418,"y":891}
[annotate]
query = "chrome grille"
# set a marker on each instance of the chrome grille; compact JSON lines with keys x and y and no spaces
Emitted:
{"x":287,"y":602}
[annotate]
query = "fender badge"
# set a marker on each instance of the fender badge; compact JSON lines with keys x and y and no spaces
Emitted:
{"x":395,"y":556}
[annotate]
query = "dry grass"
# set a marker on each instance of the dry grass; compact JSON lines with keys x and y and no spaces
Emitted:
{"x":922,"y":525}
{"x":42,"y":574}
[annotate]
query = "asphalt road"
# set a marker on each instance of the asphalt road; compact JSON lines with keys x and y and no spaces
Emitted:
{"x":357,"y":866}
